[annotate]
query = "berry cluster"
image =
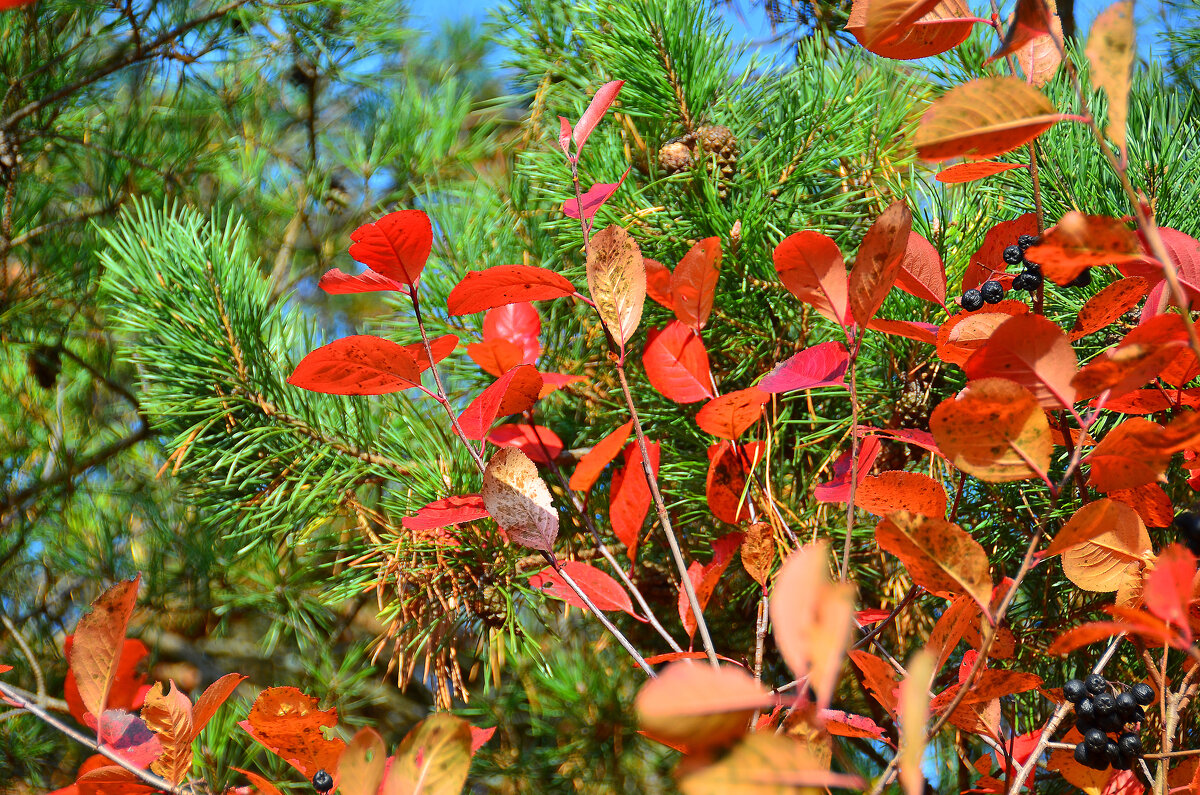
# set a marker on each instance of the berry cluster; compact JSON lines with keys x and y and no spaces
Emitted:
{"x":1100,"y":712}
{"x":1188,"y":525}
{"x":322,"y":782}
{"x":1031,"y":278}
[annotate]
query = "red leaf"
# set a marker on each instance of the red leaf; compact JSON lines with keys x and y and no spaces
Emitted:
{"x":1108,"y":305}
{"x":497,"y":357}
{"x":922,"y":272}
{"x":728,"y":416}
{"x":837,"y":489}
{"x":658,"y":283}
{"x":1150,"y":502}
{"x":909,"y":329}
{"x":922,"y":439}
{"x":845,"y":724}
{"x":1035,"y":353}
{"x":396,"y":246}
{"x":595,"y":111}
{"x":677,"y":363}
{"x":441,"y":346}
{"x":512,"y":393}
{"x":694,"y":283}
{"x":8,"y":5}
{"x":516,"y":323}
{"x":1169,"y":588}
{"x":480,"y":737}
{"x":1031,"y":19}
{"x":810,"y":266}
{"x":728,"y":469}
{"x":99,"y":641}
{"x":111,"y":780}
{"x":600,"y":456}
{"x":564,"y":135}
{"x":337,"y":282}
{"x":821,"y":365}
{"x":358,"y":365}
{"x":128,"y":686}
{"x":538,"y":442}
{"x":1184,"y":251}
{"x":629,"y":497}
{"x":552,"y":382}
{"x":969,"y":172}
{"x":1081,"y":241}
{"x":705,"y":578}
{"x":988,"y":261}
{"x":128,"y":736}
{"x":605,"y":592}
{"x":966,"y":332}
{"x":288,"y":724}
{"x":447,"y":511}
{"x":878,"y":260}
{"x":593,"y":199}
{"x":263,"y":786}
{"x":505,"y":284}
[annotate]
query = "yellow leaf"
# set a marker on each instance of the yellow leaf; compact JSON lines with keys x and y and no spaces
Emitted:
{"x":1110,"y":49}
{"x":914,"y":711}
{"x":984,"y":118}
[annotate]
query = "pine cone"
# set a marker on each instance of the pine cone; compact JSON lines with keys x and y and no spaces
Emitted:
{"x":675,"y":156}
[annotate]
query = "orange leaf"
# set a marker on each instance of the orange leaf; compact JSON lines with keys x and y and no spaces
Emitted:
{"x":1128,"y":457}
{"x":288,"y":724}
{"x":658,"y":283}
{"x":810,"y":266}
{"x":169,"y":715}
{"x":360,"y":768}
{"x":922,"y":272}
{"x":812,"y":618}
{"x":725,"y":484}
{"x":357,"y":365}
{"x":1093,"y":520}
{"x":993,"y":429}
{"x":1084,"y":635}
{"x":932,"y":34}
{"x":878,"y":261}
{"x":695,"y":281}
{"x":677,"y":363}
{"x":972,"y":171}
{"x":939,"y":556}
{"x":988,"y":261}
{"x":111,"y":780}
{"x":960,"y":336}
{"x":1110,"y":558}
{"x":600,"y":456}
{"x":1108,"y":305}
{"x":990,"y":684}
{"x":1169,"y":588}
{"x":261,"y":784}
{"x":98,"y":641}
{"x":617,"y":281}
{"x":984,"y":118}
{"x":513,"y":393}
{"x":396,"y":246}
{"x":901,"y":491}
{"x":1035,"y":353}
{"x":1081,"y":241}
{"x":758,"y":551}
{"x":497,"y":357}
{"x":1151,"y":503}
{"x":879,"y":678}
{"x":211,"y":700}
{"x":888,"y":20}
{"x":505,"y":284}
{"x":728,"y":416}
{"x":698,"y":705}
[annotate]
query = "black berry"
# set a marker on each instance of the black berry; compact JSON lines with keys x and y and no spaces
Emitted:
{"x":1130,"y":744}
{"x":1137,"y":716}
{"x":1094,"y":738}
{"x":1075,"y":691}
{"x":1021,"y":282}
{"x":1095,"y":684}
{"x":322,"y":782}
{"x":1096,"y":760}
{"x":992,"y":292}
{"x":1025,"y":241}
{"x":1112,"y":722}
{"x":1083,"y":279}
{"x":1105,"y":704}
{"x":1013,"y":255}
{"x":972,"y":300}
{"x":1082,"y":756}
{"x":1112,"y":751}
{"x":1086,"y":709}
{"x":1126,"y":705}
{"x":1142,"y":693}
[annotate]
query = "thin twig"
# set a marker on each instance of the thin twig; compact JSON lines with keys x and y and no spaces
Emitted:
{"x":36,"y":667}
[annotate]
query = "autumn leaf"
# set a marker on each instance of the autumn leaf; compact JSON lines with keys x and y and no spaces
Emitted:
{"x":289,"y":724}
{"x":973,"y":171}
{"x":922,"y":272}
{"x":617,"y":281}
{"x":913,"y":713}
{"x":1081,"y":241}
{"x":601,"y":101}
{"x":698,"y":705}
{"x":988,"y":260}
{"x":1108,"y":559}
{"x":590,"y":202}
{"x":758,"y":551}
{"x":879,"y":679}
{"x":812,"y":619}
{"x":169,"y":716}
{"x":629,"y":497}
{"x":1093,"y":520}
{"x":704,"y":578}
{"x":939,"y":555}
{"x":505,"y":284}
{"x":766,"y":763}
{"x":396,"y":246}
{"x":211,"y":700}
{"x":513,"y":393}
{"x":887,"y":20}
{"x":360,"y":768}
{"x":541,"y":444}
{"x":357,"y":365}
{"x":728,"y":416}
{"x":810,"y":266}
{"x":1169,"y":589}
{"x":1110,"y":51}
{"x":893,"y":491}
{"x":518,"y":499}
{"x":941,"y":29}
{"x":994,"y":430}
{"x":605,"y":592}
{"x":824,"y":364}
{"x":98,"y":641}
{"x":878,"y":261}
{"x":447,"y":511}
{"x":694,"y":282}
{"x":433,"y":758}
{"x":1128,"y":456}
{"x":1035,"y":353}
{"x":966,"y":332}
{"x":983,"y":118}
{"x":729,"y":469}
{"x":676,"y":363}
{"x":1107,"y":306}
{"x":837,"y":489}
{"x":519,"y":324}
{"x":601,"y":455}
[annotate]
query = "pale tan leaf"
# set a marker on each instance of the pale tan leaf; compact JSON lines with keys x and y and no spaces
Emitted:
{"x":518,"y":499}
{"x":984,"y":118}
{"x":361,"y":765}
{"x":1111,"y":51}
{"x":813,"y":618}
{"x":1095,"y":519}
{"x":767,"y":764}
{"x":698,"y":705}
{"x":616,"y":279}
{"x":1109,"y":560}
{"x":169,"y":715}
{"x":914,"y":712}
{"x":433,"y":759}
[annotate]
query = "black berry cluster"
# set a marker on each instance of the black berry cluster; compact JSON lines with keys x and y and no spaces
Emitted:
{"x":1188,"y":525}
{"x":1031,"y":277}
{"x":1104,"y":713}
{"x":322,"y":782}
